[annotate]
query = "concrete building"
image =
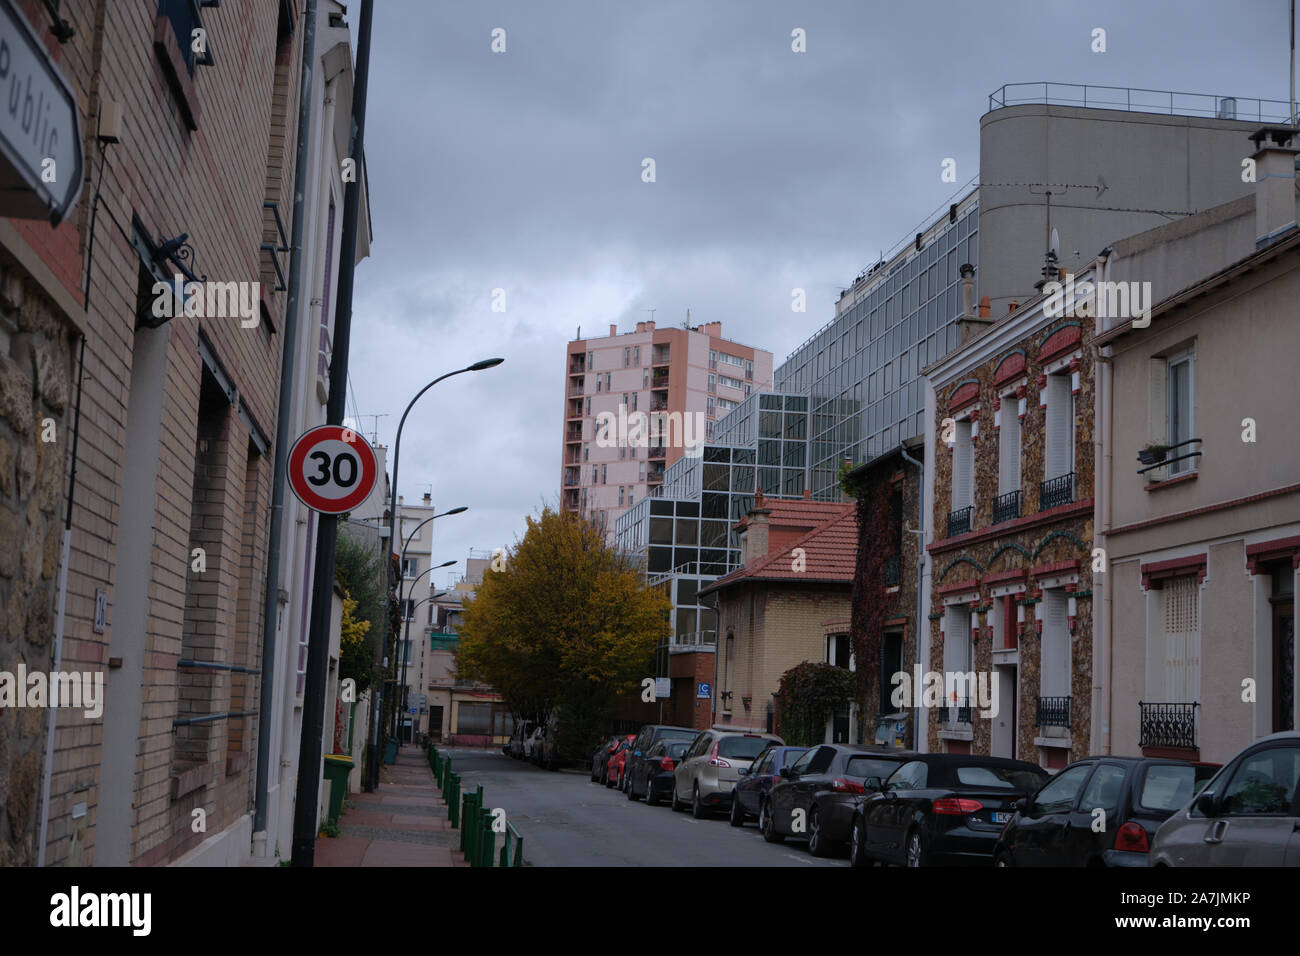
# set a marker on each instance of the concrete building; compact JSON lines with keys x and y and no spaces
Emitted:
{"x":674,"y":380}
{"x":1198,"y":506}
{"x":166,"y":559}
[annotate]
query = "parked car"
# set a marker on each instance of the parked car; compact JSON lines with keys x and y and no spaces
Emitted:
{"x":1057,"y":826}
{"x":755,"y":783}
{"x":816,"y":795}
{"x":533,"y":745}
{"x":1247,"y":815}
{"x":616,"y":766}
{"x":638,"y":767}
{"x":600,"y":757}
{"x":940,"y":809}
{"x":517,"y":746}
{"x":709,"y":769}
{"x":667,"y":752}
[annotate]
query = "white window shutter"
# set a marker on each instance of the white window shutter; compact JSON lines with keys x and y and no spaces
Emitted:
{"x":1182,"y":658}
{"x":1009,"y":455}
{"x":1060,"y":427}
{"x":1056,"y":645}
{"x":1157,"y":410}
{"x":962,"y":467}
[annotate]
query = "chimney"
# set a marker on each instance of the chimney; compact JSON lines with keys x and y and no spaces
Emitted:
{"x":640,"y":326}
{"x":428,"y":496}
{"x":1274,"y":183}
{"x":754,"y":541}
{"x":650,"y":325}
{"x":970,"y":325}
{"x":399,"y":501}
{"x":613,"y":330}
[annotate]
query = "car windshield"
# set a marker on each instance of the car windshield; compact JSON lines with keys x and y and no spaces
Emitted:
{"x":677,"y":748}
{"x":1167,"y":787}
{"x":999,"y":778}
{"x":679,"y":734}
{"x":791,"y":755}
{"x":870,"y":767}
{"x":742,"y":748}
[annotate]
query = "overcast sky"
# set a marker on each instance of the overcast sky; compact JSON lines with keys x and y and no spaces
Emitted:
{"x":521,"y":171}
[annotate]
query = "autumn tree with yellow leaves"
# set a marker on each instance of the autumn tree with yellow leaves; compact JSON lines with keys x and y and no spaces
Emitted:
{"x":568,"y":626}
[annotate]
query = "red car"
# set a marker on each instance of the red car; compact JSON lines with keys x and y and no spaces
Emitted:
{"x":614,"y":767}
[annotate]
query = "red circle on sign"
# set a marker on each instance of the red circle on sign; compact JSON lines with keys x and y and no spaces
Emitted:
{"x":312,"y":440}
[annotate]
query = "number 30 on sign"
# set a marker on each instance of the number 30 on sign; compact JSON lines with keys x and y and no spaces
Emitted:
{"x":332,"y":469}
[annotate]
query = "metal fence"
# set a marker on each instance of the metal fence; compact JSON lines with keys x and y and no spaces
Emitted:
{"x":1137,"y":100}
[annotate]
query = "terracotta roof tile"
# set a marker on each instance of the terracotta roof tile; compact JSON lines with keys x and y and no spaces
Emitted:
{"x":830,"y":553}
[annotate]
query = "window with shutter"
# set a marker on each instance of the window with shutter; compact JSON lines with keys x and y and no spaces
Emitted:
{"x":1059,"y":427}
{"x":1182,"y":650}
{"x":1179,"y":415}
{"x":1009,"y":449}
{"x":963,"y":460}
{"x":1056,"y":644}
{"x":956,"y":640}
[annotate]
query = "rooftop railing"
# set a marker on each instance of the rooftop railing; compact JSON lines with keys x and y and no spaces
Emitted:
{"x":1136,"y":100}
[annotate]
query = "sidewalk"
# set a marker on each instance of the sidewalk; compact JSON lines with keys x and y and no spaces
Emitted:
{"x":404,"y":823}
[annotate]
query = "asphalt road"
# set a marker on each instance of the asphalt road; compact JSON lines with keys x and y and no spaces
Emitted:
{"x":566,"y":820}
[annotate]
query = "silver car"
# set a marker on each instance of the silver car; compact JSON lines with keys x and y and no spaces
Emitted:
{"x":707,"y":773}
{"x":1247,"y":815}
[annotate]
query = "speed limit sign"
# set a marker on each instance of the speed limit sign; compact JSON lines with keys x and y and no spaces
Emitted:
{"x":332,"y":469}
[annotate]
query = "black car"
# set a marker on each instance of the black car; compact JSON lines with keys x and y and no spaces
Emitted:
{"x":639,"y":768}
{"x":665,"y":753}
{"x":940,"y":809}
{"x":756,"y":783}
{"x":1099,"y":811}
{"x":815,"y":796}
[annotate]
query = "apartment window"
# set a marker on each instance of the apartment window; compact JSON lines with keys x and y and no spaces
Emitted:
{"x":631,"y":498}
{"x":634,"y":395}
{"x":595,"y":474}
{"x":1058,"y":455}
{"x":1174,"y":650}
{"x":963,"y":478}
{"x":838,"y":651}
{"x":622,"y":451}
{"x":636,"y":355}
{"x":1007,"y":505}
{"x":588,"y":404}
{"x":641,"y":474}
{"x":586,"y":452}
{"x":1055,"y":677}
{"x":1179,"y":396}
{"x":645,"y":378}
{"x":598,"y":383}
{"x":711,"y":404}
{"x":604,"y":474}
{"x":607,"y":374}
{"x":625,"y":399}
{"x":588,"y":361}
{"x":957,"y":648}
{"x":184,"y":18}
{"x":410,"y":567}
{"x":713,"y":382}
{"x":748,"y":389}
{"x":627,"y":357}
{"x":408,"y":608}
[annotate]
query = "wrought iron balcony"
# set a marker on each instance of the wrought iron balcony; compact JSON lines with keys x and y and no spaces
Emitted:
{"x":1053,"y":712}
{"x":1006,"y":507}
{"x":959,"y":521}
{"x":1168,"y":725}
{"x":1056,"y":492}
{"x":958,"y":712}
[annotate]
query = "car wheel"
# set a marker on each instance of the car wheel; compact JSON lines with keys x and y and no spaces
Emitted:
{"x":609,"y":782}
{"x":697,"y":808}
{"x":737,"y":814}
{"x":816,"y":838}
{"x":767,"y":824}
{"x":650,"y":798}
{"x":675,"y":803}
{"x":631,"y":790}
{"x":858,"y":847}
{"x":1002,"y":859}
{"x":915,"y":849}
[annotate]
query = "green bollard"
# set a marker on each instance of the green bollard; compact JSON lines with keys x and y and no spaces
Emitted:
{"x":488,"y":840}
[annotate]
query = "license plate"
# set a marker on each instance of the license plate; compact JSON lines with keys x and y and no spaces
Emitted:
{"x":1001,"y":816}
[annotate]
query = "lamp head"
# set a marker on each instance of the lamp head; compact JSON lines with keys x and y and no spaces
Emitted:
{"x":485,"y":363}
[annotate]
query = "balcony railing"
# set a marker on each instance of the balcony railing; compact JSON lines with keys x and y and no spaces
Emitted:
{"x":656,"y":451}
{"x":1053,"y":712}
{"x":959,"y":521}
{"x":1006,"y":507}
{"x":957,"y":712}
{"x":1167,"y":725}
{"x":1132,"y":99}
{"x":1056,"y":492}
{"x":275,"y":242}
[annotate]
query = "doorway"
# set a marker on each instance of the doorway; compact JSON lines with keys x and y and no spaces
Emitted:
{"x":1002,"y":742}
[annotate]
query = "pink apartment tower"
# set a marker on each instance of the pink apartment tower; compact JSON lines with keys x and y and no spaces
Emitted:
{"x":675,"y":381}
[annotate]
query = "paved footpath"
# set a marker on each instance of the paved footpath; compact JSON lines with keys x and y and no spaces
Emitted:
{"x":404,"y":823}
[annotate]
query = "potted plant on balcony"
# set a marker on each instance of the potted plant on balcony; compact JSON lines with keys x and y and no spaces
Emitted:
{"x":1153,"y":453}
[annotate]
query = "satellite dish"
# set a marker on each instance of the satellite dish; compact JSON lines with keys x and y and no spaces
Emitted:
{"x":1056,"y":243}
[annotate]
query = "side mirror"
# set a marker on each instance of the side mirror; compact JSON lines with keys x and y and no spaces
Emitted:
{"x":787,"y":773}
{"x":1208,"y":805}
{"x":874,"y":783}
{"x":1024,"y":806}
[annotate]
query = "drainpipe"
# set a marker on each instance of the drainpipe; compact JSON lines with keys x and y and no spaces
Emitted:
{"x":1101,"y":526}
{"x":288,"y":367}
{"x":920,"y":568}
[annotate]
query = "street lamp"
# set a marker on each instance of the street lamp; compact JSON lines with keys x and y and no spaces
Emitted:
{"x":406,"y":650}
{"x":392,"y":505}
{"x":407,"y":543}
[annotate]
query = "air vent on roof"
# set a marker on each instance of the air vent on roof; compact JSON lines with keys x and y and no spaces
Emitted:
{"x":1227,"y":108}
